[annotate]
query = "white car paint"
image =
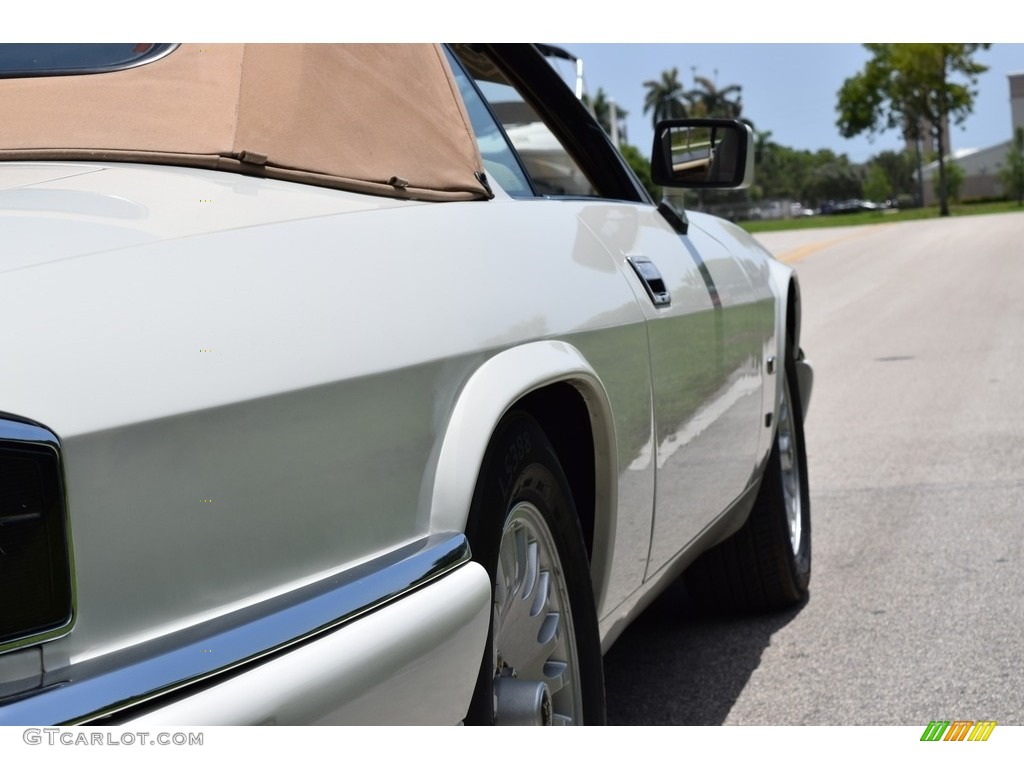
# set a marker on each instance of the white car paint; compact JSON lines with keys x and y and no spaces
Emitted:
{"x":369,"y":672}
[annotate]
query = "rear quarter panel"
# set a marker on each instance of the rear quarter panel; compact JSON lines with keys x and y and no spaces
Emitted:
{"x":248,"y":410}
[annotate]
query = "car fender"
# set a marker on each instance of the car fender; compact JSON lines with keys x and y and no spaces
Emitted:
{"x":786,"y":284}
{"x":487,"y":395}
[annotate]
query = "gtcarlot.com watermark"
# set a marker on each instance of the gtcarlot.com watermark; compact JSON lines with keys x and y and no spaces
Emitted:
{"x":72,"y":737}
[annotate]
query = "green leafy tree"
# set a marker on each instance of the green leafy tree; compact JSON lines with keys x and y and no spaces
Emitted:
{"x":898,"y":168}
{"x":832,"y":177}
{"x":665,"y":99}
{"x":641,"y":167}
{"x":762,"y":145}
{"x":907,"y":85}
{"x":781,"y":173}
{"x":876,"y":185}
{"x":1012,"y":174}
{"x":600,"y":105}
{"x":954,"y":182}
{"x":763,"y":148}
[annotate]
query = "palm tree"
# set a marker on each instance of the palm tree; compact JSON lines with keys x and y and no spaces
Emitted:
{"x":665,"y":98}
{"x":711,"y":101}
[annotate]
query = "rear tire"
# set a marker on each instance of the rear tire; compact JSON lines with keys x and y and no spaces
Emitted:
{"x":542,"y":663}
{"x":766,"y":565}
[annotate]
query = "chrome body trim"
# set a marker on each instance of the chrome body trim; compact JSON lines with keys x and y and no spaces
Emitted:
{"x":16,"y":429}
{"x":107,"y":685}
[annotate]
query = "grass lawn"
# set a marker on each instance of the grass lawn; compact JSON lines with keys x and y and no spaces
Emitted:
{"x":876,"y":217}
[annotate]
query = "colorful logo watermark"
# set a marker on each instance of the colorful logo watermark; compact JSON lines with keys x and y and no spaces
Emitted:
{"x":958,"y":730}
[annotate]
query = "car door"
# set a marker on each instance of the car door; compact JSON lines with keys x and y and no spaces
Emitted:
{"x":707,"y":345}
{"x":690,"y":439}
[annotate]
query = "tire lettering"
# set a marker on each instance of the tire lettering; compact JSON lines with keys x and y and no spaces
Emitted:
{"x":517,"y":450}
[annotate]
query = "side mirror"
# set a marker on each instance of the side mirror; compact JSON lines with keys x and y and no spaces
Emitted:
{"x":703,"y":154}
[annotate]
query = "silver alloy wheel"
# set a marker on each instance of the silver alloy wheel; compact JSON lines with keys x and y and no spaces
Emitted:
{"x":534,"y":639}
{"x":789,"y":466}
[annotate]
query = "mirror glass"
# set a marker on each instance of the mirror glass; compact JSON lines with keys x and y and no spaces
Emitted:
{"x":705,"y":155}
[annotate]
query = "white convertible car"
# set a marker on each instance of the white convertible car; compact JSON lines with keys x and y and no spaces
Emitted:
{"x":364,"y":384}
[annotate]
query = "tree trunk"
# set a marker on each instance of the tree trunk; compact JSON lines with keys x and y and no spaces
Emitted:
{"x":943,"y":202}
{"x":920,"y":170}
{"x":940,"y":135}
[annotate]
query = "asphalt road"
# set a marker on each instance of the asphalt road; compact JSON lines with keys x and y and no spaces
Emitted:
{"x":916,"y":458}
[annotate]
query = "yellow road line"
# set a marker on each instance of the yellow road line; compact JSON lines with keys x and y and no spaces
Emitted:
{"x":794,"y":255}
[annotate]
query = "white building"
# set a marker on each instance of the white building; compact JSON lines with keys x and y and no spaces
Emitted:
{"x":981,"y":167}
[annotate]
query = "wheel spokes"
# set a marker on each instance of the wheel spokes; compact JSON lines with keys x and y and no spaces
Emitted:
{"x":533,"y":635}
{"x":790,"y":471}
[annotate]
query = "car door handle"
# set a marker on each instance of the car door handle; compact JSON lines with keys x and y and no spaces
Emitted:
{"x":652,"y":280}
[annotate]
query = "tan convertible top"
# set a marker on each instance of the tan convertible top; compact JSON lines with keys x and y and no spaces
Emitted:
{"x":382,"y":119}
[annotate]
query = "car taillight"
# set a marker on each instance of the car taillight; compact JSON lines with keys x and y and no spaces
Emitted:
{"x":35,"y":569}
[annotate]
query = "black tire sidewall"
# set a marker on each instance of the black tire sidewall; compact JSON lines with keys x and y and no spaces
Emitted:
{"x":520,"y":451}
{"x":800,"y":563}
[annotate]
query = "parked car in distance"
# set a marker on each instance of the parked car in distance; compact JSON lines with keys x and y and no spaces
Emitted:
{"x":850,"y":206}
{"x":366,"y":384}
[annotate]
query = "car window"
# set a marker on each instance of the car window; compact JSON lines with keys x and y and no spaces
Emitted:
{"x":500,"y":161}
{"x":37,"y":59}
{"x":548,"y":165}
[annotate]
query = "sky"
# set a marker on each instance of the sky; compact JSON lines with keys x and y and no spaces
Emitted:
{"x":788,"y":89}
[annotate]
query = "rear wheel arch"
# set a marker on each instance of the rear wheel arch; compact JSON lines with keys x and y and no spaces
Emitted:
{"x":552,"y":382}
{"x":560,"y":410}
